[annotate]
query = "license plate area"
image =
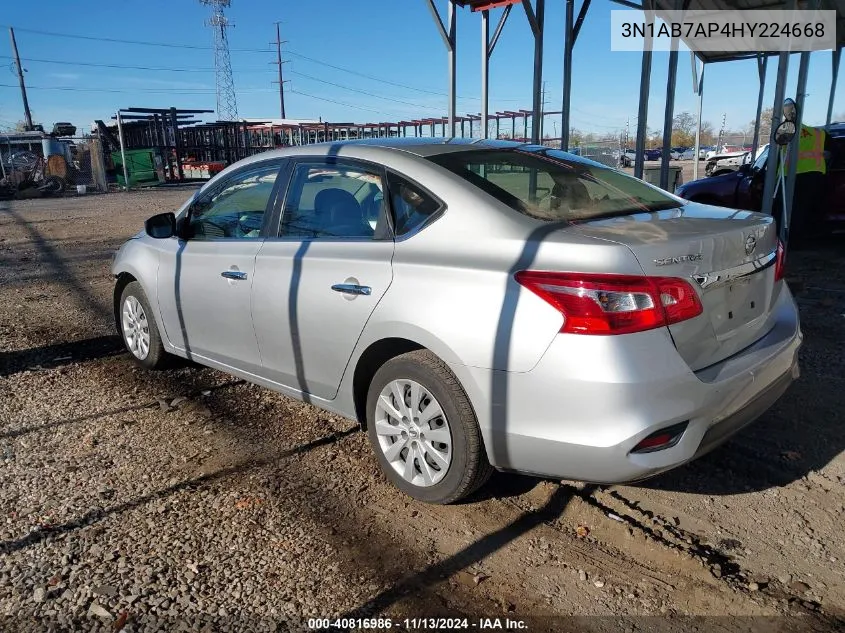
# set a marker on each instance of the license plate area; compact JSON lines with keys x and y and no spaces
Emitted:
{"x":736,"y":305}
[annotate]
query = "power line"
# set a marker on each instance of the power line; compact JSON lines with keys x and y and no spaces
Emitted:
{"x":113,"y":40}
{"x":31,"y":60}
{"x":184,"y":91}
{"x":386,"y":81}
{"x":211,"y":70}
{"x":314,"y":60}
{"x":348,"y":105}
{"x":363,"y":92}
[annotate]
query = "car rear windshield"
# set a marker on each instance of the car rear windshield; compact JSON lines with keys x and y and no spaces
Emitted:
{"x":547,"y":185}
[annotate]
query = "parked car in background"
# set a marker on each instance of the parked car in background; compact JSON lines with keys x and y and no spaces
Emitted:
{"x":473,"y":304}
{"x":743,"y":188}
{"x":628,"y":158}
{"x":724,"y":163}
{"x":63,"y":128}
{"x":653,"y":154}
{"x":677,"y":152}
{"x":688,"y":154}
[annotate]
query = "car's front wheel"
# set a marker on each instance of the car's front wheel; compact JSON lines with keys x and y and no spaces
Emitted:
{"x":424,"y":430}
{"x":138,"y":328}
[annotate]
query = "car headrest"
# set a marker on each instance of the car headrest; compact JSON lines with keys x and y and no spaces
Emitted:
{"x":338,"y":208}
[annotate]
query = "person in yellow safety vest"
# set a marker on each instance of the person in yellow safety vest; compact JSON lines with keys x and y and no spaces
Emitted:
{"x":811,"y":170}
{"x":811,"y":154}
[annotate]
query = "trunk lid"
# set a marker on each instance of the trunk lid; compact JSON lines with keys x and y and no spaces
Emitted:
{"x":727,"y":256}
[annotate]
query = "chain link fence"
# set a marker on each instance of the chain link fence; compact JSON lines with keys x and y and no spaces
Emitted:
{"x":607,"y":153}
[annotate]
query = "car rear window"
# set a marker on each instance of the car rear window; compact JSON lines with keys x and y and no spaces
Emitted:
{"x":544,"y":184}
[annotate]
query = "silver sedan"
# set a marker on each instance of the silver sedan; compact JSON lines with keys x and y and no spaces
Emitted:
{"x":474,"y":305}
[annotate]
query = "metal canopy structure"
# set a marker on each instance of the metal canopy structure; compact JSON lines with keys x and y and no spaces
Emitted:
{"x":710,"y":57}
{"x":747,"y":5}
{"x":535,"y":14}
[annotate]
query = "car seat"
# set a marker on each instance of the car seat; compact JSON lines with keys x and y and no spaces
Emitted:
{"x":339,"y":213}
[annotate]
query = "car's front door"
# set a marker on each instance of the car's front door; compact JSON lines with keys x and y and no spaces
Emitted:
{"x":205,"y":278}
{"x":318,"y":282}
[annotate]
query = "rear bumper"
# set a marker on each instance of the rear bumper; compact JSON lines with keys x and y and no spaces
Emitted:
{"x":590,"y":400}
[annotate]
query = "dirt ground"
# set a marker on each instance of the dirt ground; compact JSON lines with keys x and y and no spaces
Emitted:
{"x":132,"y":498}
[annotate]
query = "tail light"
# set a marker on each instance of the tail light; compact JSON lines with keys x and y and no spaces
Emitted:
{"x":780,"y":262}
{"x":613,"y":304}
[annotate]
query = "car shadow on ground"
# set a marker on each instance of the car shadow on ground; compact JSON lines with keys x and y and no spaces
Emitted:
{"x":58,"y":354}
{"x":98,"y":514}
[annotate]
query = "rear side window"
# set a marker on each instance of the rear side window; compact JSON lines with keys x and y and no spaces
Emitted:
{"x":547,"y":185}
{"x":412,"y":207}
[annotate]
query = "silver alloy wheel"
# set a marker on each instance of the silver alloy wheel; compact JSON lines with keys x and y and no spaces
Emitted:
{"x":413,"y":432}
{"x":136,"y":330}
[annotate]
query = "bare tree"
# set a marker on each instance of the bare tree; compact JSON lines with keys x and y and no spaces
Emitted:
{"x":766,"y":117}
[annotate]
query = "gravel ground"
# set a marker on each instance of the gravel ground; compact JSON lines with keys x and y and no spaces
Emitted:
{"x":181,"y":499}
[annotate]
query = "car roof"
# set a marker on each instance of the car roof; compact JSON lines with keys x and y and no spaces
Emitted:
{"x":836,"y":129}
{"x":380,"y":149}
{"x":428,"y":146}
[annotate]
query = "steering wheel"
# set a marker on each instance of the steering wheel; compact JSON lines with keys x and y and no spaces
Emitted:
{"x":224,"y":230}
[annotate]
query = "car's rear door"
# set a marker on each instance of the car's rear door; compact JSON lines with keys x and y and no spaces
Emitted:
{"x":317,"y":283}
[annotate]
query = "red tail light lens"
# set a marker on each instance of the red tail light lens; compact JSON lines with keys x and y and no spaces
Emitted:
{"x":613,"y":304}
{"x":780,"y":262}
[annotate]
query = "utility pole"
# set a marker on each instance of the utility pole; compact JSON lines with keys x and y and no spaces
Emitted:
{"x":279,"y":62}
{"x":26,"y":112}
{"x":542,"y":111}
{"x":721,"y":132}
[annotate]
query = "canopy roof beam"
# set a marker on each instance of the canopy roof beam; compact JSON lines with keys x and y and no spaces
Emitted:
{"x":450,"y":40}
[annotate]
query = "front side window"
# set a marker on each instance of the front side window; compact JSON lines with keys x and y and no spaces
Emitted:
{"x":547,"y":185}
{"x":412,"y":207}
{"x":235,"y":210}
{"x":333,"y":201}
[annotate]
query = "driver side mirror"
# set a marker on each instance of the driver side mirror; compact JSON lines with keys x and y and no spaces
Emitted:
{"x":161,"y":226}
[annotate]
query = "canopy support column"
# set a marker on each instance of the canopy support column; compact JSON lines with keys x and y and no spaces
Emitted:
{"x":762,"y":63}
{"x":777,"y":114}
{"x":837,"y":55}
{"x":449,"y":39}
{"x":645,"y":81}
{"x":698,"y":89}
{"x":792,"y":173}
{"x":536,"y":17}
{"x":669,"y":115}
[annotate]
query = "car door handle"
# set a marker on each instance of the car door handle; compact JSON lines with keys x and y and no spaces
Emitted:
{"x":233,"y":274}
{"x":352,"y":289}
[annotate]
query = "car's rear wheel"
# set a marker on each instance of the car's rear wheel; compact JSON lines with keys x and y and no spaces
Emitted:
{"x":424,"y":430}
{"x":138,"y":328}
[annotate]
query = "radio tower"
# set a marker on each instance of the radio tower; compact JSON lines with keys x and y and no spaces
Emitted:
{"x":227,"y":105}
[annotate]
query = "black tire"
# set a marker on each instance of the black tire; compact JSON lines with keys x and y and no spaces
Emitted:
{"x":156,"y":357}
{"x":53,"y":185}
{"x":469,"y":469}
